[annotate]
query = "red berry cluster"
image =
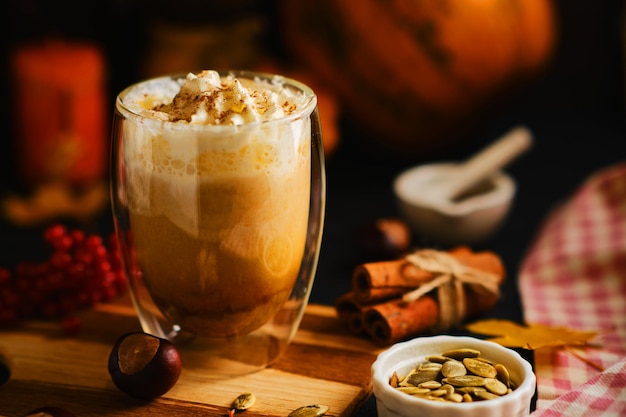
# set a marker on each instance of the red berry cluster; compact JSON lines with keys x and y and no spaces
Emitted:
{"x":81,"y":270}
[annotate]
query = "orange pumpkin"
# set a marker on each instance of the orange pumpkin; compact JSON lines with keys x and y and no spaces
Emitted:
{"x":417,"y":74}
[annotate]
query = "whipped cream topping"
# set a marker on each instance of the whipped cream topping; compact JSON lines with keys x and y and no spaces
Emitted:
{"x":208,"y":98}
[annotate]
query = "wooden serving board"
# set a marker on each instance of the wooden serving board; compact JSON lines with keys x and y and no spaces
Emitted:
{"x":324,"y":365}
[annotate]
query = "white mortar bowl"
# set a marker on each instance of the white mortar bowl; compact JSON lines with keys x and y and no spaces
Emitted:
{"x":468,"y":221}
{"x":404,"y":356}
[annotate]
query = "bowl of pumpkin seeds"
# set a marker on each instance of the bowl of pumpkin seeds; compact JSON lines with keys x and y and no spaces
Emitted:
{"x":452,"y":376}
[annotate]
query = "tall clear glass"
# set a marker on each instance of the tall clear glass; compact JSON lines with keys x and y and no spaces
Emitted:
{"x":219,"y":227}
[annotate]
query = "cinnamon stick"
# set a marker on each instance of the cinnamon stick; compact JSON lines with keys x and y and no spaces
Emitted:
{"x":396,"y":320}
{"x":375,"y":304}
{"x":379,"y":281}
{"x":485,"y":261}
{"x":350,"y":312}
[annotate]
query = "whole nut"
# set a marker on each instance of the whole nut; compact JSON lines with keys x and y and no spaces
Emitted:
{"x":384,"y":238}
{"x":144,"y":366}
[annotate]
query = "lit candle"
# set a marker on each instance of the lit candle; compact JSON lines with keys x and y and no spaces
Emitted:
{"x":60,"y":113}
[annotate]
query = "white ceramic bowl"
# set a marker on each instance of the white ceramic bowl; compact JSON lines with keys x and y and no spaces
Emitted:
{"x":404,"y":356}
{"x":469,"y":221}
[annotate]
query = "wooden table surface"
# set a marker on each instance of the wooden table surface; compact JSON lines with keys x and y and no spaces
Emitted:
{"x":324,"y":365}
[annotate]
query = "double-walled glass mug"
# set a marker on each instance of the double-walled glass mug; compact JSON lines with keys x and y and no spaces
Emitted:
{"x":219,"y":226}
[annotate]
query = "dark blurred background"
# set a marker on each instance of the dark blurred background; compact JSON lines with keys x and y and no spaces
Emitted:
{"x":575,"y":110}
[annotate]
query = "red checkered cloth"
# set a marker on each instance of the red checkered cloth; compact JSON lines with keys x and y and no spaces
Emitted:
{"x":574,"y":275}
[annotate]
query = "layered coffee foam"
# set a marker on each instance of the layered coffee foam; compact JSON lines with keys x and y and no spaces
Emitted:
{"x":181,"y":153}
{"x":166,"y":166}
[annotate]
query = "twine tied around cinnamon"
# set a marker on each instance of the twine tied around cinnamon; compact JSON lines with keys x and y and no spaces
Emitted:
{"x":450,"y":275}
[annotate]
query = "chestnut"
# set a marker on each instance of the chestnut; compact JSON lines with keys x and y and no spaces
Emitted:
{"x":144,"y":366}
{"x":384,"y":238}
{"x":49,"y":411}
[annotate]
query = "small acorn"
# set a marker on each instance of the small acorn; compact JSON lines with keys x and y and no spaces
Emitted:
{"x":144,"y":366}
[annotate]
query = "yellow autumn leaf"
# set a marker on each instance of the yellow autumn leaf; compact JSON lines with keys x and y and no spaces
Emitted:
{"x":533,"y":336}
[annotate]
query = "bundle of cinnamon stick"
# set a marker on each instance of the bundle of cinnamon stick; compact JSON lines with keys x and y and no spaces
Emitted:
{"x":422,"y":292}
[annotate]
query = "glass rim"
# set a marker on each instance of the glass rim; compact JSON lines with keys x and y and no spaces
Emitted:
{"x":305,"y":110}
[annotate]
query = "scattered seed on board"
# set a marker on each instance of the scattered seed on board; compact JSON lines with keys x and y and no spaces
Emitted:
{"x":313,"y":410}
{"x":243,"y":401}
{"x":458,"y":375}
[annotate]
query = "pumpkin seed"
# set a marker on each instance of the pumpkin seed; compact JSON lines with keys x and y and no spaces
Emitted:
{"x":453,"y":368}
{"x":422,"y":375}
{"x":414,"y":390}
{"x":503,"y":374}
{"x":394,"y":380}
{"x":313,"y":410}
{"x":470,"y":390}
{"x":432,"y":398}
{"x":430,"y":384}
{"x":430,"y":366}
{"x":480,"y":368}
{"x":458,"y":375}
{"x":460,"y":354}
{"x":444,"y":391}
{"x":465,"y":381}
{"x":437,"y":358}
{"x":449,"y":389}
{"x":486,"y":395}
{"x":495,"y":386}
{"x":455,"y":397}
{"x":439,"y":393}
{"x":243,"y":401}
